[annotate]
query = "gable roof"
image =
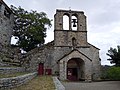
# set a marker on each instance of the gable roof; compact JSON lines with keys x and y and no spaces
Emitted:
{"x":93,"y":46}
{"x":73,"y":51}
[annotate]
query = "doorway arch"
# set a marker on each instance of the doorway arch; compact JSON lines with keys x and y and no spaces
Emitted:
{"x":75,"y":69}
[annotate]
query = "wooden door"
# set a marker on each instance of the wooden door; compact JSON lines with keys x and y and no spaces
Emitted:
{"x":41,"y":69}
{"x":69,"y":74}
{"x":48,"y":71}
{"x":72,"y":74}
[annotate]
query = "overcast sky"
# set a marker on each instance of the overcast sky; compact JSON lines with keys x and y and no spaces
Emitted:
{"x":103,"y":19}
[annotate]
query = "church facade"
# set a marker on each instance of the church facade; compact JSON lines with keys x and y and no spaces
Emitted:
{"x":69,"y":55}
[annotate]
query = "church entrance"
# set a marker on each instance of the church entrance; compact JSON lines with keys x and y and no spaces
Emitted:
{"x":75,"y":69}
{"x":41,"y":69}
{"x":72,"y":74}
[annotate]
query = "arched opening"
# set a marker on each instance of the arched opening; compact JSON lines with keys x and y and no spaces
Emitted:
{"x":75,"y":69}
{"x":65,"y":22}
{"x":74,"y":22}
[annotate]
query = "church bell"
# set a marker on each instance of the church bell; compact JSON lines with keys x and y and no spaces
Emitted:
{"x":74,"y":22}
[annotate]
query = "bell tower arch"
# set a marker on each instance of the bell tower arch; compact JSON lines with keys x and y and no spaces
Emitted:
{"x":76,"y":29}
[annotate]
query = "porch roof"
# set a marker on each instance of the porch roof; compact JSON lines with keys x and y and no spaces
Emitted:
{"x":73,"y":51}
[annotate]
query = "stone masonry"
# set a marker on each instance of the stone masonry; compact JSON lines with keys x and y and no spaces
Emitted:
{"x":69,"y":56}
{"x":6,"y":24}
{"x":8,"y":83}
{"x":6,"y":28}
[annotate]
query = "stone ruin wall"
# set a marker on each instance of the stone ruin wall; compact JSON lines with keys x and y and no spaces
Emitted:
{"x":6,"y":24}
{"x":38,"y":55}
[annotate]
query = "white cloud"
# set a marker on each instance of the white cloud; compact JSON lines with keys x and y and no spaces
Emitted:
{"x":116,"y":30}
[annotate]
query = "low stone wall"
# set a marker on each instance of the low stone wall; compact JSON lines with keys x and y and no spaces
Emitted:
{"x":6,"y":83}
{"x":58,"y":84}
{"x":3,"y":64}
{"x":10,"y":70}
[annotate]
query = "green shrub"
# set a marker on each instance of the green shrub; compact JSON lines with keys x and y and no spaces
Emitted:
{"x":113,"y":73}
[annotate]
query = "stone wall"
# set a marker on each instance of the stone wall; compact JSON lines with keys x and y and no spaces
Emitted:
{"x":59,"y":52}
{"x":6,"y":83}
{"x":10,"y":70}
{"x":58,"y":84}
{"x":10,"y":56}
{"x":93,"y":53}
{"x":39,"y":55}
{"x":6,"y":24}
{"x":48,"y":54}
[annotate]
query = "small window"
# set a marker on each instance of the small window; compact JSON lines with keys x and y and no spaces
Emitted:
{"x":74,"y":42}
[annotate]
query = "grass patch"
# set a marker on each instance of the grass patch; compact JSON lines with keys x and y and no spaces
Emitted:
{"x":12,"y":75}
{"x":38,"y":83}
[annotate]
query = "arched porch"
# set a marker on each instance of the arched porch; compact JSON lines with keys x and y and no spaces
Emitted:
{"x":75,"y":66}
{"x":75,"y":69}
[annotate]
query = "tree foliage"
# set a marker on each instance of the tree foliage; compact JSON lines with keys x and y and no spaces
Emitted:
{"x":114,"y":54}
{"x":30,"y":28}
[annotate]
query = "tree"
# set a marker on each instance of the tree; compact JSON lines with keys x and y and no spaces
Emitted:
{"x":30,"y":28}
{"x":114,"y":55}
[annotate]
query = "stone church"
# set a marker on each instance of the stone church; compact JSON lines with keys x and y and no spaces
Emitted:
{"x":69,"y":55}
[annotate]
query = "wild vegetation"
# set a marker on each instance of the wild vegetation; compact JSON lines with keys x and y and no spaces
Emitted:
{"x":111,"y":73}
